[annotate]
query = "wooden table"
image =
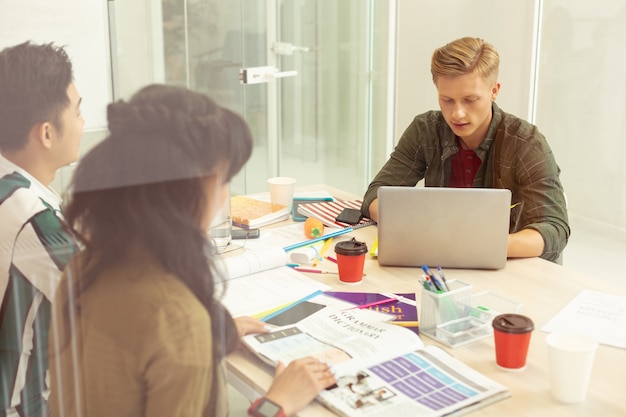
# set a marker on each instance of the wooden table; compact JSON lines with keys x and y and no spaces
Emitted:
{"x":541,"y":286}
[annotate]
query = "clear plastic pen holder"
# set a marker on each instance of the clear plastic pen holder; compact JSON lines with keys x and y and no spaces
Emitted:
{"x":448,"y":306}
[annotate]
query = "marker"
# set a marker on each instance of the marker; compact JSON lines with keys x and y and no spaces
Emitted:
{"x":431,"y":286}
{"x":425,"y":284}
{"x":330,"y":258}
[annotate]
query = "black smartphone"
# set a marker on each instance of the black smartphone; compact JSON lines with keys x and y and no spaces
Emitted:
{"x":245,"y":233}
{"x":349,"y":216}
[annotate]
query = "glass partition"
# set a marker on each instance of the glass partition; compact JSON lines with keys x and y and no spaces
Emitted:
{"x":317,"y":126}
{"x":330,"y":114}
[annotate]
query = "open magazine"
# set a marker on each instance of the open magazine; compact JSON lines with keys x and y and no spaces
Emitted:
{"x":381,"y":369}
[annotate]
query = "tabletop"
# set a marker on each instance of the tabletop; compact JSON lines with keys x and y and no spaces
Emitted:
{"x":543,"y":288}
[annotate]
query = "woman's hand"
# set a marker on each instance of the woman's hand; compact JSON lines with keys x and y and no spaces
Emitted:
{"x":248,"y":325}
{"x":296,"y":385}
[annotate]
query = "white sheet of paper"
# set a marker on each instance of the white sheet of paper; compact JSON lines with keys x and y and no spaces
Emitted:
{"x":266,"y":290}
{"x":596,"y":314}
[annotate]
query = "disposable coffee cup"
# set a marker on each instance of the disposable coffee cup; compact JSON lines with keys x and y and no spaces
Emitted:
{"x":512,"y":338}
{"x":281,"y":190}
{"x":570,"y":357}
{"x":350,"y":260}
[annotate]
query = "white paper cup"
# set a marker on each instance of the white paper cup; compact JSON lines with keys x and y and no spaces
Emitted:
{"x":281,"y":190}
{"x":571,"y":358}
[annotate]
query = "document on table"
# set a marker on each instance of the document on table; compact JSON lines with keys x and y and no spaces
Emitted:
{"x":266,"y":290}
{"x":596,"y":314}
{"x":283,"y":236}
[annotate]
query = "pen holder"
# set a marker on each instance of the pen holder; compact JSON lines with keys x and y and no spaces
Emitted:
{"x":444,"y":307}
{"x":457,"y":317}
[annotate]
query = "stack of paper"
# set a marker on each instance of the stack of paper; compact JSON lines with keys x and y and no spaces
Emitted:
{"x":595,"y":314}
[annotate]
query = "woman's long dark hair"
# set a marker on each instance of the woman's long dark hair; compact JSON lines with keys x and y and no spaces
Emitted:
{"x":144,"y":185}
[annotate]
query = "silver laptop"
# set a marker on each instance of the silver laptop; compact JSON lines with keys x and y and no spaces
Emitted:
{"x":447,"y":227}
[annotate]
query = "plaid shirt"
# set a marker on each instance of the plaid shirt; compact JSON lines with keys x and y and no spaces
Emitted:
{"x":514,"y":155}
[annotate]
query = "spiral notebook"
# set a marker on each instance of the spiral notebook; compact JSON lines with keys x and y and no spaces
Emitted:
{"x":327,"y":211}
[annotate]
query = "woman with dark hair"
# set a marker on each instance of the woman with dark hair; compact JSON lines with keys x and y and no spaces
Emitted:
{"x":137,"y":327}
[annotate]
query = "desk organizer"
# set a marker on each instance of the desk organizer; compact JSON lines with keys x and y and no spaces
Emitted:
{"x":458,"y":317}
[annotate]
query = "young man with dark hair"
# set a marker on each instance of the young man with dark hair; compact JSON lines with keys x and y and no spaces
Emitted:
{"x":40,"y":130}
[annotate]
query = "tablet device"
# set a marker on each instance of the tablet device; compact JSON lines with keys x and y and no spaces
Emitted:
{"x":295,"y":313}
{"x":302,"y":200}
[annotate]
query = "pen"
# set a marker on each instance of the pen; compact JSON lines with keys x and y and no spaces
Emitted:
{"x":314,"y":271}
{"x":330,"y":258}
{"x":433,"y":278}
{"x":375,"y":303}
{"x":443,"y":278}
{"x":317,"y":239}
{"x":400,"y":298}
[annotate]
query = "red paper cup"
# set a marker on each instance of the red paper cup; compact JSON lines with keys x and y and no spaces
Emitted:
{"x":350,"y":260}
{"x":512,"y":337}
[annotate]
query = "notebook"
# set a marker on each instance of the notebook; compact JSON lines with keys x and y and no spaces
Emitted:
{"x":327,"y":211}
{"x":447,"y":227}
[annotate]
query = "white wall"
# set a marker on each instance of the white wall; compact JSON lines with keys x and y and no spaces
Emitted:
{"x":426,"y":25}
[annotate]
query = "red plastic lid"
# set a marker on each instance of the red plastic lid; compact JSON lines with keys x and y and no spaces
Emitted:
{"x":350,"y":247}
{"x":513,"y":323}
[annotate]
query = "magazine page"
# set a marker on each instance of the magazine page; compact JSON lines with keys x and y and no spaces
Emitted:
{"x":402,"y":305}
{"x":263,"y":291}
{"x":424,"y":382}
{"x":336,"y":336}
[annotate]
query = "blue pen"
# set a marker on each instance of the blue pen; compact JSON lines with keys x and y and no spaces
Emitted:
{"x":443,"y":278}
{"x":433,"y":278}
